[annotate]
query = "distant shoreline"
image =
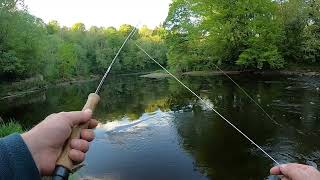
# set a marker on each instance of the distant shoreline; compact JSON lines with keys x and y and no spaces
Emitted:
{"x":159,"y":75}
{"x":58,"y":83}
{"x":155,"y":75}
{"x":16,"y":94}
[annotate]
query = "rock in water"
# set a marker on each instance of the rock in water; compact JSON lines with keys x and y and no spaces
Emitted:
{"x":318,"y":89}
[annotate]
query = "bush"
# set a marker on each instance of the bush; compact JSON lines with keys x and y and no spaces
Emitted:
{"x":9,"y":128}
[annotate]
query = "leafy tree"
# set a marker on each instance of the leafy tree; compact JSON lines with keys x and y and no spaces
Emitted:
{"x":197,"y":35}
{"x":51,"y":70}
{"x":53,"y":27}
{"x":29,"y":47}
{"x":125,"y":28}
{"x":145,"y":31}
{"x":11,"y":5}
{"x":66,"y":60}
{"x":21,"y":42}
{"x":204,"y":32}
{"x":311,"y":33}
{"x":78,"y":27}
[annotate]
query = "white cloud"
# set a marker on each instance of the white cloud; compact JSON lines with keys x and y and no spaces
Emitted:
{"x":101,"y":12}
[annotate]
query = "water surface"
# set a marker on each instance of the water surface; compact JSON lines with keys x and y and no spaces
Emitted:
{"x":155,"y":129}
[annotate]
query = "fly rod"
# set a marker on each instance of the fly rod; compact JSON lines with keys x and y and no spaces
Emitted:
{"x":210,"y":107}
{"x":65,"y":165}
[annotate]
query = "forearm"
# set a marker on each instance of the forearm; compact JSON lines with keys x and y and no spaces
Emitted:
{"x":16,"y":161}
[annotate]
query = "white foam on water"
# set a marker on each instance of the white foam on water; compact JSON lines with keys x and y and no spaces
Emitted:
{"x":157,"y":118}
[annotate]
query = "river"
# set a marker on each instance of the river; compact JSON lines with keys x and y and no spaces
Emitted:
{"x":155,"y":129}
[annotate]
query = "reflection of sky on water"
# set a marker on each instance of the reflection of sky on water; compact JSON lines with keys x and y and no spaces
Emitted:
{"x":126,"y":149}
{"x":126,"y":124}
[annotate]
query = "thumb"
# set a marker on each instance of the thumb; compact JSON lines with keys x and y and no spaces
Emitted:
{"x":78,"y":117}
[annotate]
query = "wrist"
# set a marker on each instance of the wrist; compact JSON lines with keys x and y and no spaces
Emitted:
{"x":32,"y":146}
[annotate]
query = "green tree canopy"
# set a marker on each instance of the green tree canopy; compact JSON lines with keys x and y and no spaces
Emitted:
{"x":78,"y":27}
{"x":53,"y":27}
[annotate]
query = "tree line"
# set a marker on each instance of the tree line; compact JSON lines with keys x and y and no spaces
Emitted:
{"x":30,"y":47}
{"x":252,"y":34}
{"x":197,"y":35}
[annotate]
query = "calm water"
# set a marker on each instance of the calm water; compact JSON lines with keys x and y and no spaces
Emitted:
{"x":155,"y":129}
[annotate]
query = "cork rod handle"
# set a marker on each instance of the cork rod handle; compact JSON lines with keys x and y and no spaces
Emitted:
{"x":64,"y":159}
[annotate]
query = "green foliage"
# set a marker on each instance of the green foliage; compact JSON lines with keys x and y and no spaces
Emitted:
{"x":126,"y":28}
{"x":21,"y":41}
{"x":29,"y":47}
{"x":53,"y":27}
{"x":311,"y":34}
{"x":78,"y":27}
{"x":260,"y":56}
{"x":197,"y":34}
{"x":9,"y":128}
{"x":66,"y":59}
{"x":260,"y":34}
{"x":10,"y":63}
{"x":294,"y":17}
{"x":311,"y":44}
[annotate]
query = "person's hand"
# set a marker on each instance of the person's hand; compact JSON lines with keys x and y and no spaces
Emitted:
{"x":45,"y":141}
{"x":296,"y":172}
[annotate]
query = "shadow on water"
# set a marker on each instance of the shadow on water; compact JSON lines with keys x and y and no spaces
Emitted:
{"x":155,"y":129}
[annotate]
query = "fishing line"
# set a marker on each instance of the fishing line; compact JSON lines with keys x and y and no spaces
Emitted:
{"x":245,"y":92}
{"x":264,"y":111}
{"x":209,"y":106}
{"x":132,"y":33}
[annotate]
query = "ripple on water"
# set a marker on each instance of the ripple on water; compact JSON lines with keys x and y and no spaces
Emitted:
{"x":124,"y":131}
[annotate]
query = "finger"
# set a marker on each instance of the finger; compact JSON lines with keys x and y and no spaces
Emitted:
{"x":77,"y":117}
{"x":291,"y":170}
{"x":77,"y":156}
{"x":93,"y":124}
{"x":80,"y":145}
{"x":275,"y":171}
{"x":87,"y":134}
{"x":308,"y":168}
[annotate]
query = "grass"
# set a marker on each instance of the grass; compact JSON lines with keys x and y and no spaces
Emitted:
{"x":9,"y":128}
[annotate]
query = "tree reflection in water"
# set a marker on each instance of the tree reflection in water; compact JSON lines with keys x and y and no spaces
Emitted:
{"x":193,"y":141}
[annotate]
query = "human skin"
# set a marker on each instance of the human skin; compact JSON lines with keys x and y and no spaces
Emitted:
{"x":45,"y":141}
{"x":296,"y":172}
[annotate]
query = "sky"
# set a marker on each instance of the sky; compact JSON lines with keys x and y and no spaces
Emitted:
{"x":101,"y":12}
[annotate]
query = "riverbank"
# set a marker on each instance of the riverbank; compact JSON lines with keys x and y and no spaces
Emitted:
{"x":160,"y":75}
{"x":75,"y":80}
{"x":34,"y":85}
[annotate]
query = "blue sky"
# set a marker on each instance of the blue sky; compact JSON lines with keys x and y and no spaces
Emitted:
{"x":101,"y":12}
